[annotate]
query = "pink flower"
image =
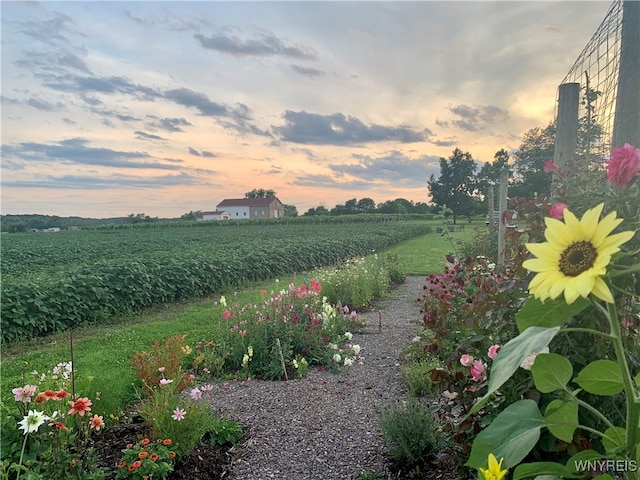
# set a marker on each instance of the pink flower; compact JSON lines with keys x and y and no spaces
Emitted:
{"x":161,"y":369}
{"x":178,"y":414}
{"x":493,"y":351}
{"x":24,"y":394}
{"x":623,"y":165}
{"x":96,"y":422}
{"x":557,"y":210}
{"x":80,"y":406}
{"x":477,"y":371}
{"x":466,"y":360}
{"x":549,"y":167}
{"x":165,"y":381}
{"x":196,"y":394}
{"x":206,"y":388}
{"x":226,"y":314}
{"x":242,"y":333}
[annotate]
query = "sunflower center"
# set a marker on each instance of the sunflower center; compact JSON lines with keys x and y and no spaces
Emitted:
{"x":577,"y":258}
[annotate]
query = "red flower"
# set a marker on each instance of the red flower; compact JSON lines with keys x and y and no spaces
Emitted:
{"x":167,"y":442}
{"x":145,"y":442}
{"x":50,"y":395}
{"x":153,"y":457}
{"x":61,"y":394}
{"x":40,"y":398}
{"x":315,"y":284}
{"x":58,"y":425}
{"x":80,"y":406}
{"x":122,"y":465}
{"x":549,"y":167}
{"x":142,"y":455}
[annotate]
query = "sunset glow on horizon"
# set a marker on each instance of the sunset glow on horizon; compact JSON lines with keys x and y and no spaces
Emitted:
{"x":162,"y":108}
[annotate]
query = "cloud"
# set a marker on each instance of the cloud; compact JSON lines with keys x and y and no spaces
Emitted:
{"x":338,"y":129}
{"x":51,"y":61}
{"x":40,"y":104}
{"x":116,"y":182}
{"x":307,"y":71}
{"x":328,"y":181}
{"x":106,"y":85}
{"x":147,"y":136}
{"x":472,"y":119}
{"x":266,"y":45}
{"x":394,"y":168}
{"x":201,"y":153}
{"x":201,"y":102}
{"x":168,"y":124}
{"x":76,"y":151}
{"x":50,"y":30}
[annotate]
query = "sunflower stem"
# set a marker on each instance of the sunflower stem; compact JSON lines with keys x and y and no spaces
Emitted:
{"x":589,"y":330}
{"x":633,"y":406}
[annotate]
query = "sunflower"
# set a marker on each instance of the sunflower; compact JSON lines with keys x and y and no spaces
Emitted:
{"x":575,"y":256}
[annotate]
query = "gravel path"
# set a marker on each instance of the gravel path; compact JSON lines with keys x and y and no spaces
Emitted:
{"x":324,"y":427}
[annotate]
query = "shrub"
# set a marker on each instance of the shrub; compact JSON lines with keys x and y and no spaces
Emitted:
{"x":408,"y":431}
{"x":417,"y":376}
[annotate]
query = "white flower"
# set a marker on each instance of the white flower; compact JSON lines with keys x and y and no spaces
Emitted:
{"x":348,"y":335}
{"x":223,"y":301}
{"x":295,"y":363}
{"x":449,"y":395}
{"x":356,"y":349}
{"x":333,"y":346}
{"x":336,"y":358}
{"x":348,"y":362}
{"x":250,"y":351}
{"x":32,"y":421}
{"x":528,"y":362}
{"x":245,"y":360}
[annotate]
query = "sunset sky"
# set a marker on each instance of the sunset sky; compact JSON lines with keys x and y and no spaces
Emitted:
{"x":112,"y":108}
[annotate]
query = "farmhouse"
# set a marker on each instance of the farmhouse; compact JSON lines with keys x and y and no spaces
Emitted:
{"x":247,"y":208}
{"x":217,"y":215}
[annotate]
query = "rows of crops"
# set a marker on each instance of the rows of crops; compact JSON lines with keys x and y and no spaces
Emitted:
{"x":55,"y":281}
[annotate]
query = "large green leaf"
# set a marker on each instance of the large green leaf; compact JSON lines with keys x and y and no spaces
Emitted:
{"x":511,"y":435}
{"x":562,"y":419}
{"x":551,"y":372}
{"x":602,"y":377}
{"x":614,"y":438}
{"x":552,"y":313}
{"x":530,"y":470}
{"x":583,"y":460}
{"x":532,"y":340}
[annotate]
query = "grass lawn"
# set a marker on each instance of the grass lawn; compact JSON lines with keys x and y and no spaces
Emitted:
{"x":426,"y":253}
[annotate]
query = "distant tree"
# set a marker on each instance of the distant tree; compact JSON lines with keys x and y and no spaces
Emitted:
{"x":391,"y":206}
{"x":421,"y":207}
{"x":191,"y":215}
{"x":290,"y":211}
{"x":321,"y":210}
{"x":529,"y":179}
{"x":366,"y":205}
{"x":260,"y":193}
{"x":456,"y":186}
{"x":490,"y":172}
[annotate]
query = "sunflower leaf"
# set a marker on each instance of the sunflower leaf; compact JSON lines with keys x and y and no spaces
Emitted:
{"x":562,"y":419}
{"x":551,"y":372}
{"x":529,"y":470}
{"x":552,"y":313}
{"x":602,"y":377}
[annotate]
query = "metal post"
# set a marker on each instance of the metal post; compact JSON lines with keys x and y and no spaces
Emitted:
{"x":626,"y":127}
{"x":502,"y":228}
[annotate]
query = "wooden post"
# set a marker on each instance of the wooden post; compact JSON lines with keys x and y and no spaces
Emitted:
{"x":504,"y":180}
{"x":564,"y":152}
{"x":626,"y":126}
{"x":492,"y":207}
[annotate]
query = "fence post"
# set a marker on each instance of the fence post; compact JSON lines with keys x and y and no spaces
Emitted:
{"x":564,"y":152}
{"x":626,"y":126}
{"x":502,"y":228}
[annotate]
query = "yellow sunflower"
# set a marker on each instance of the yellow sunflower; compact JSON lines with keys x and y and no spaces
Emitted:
{"x":575,"y":256}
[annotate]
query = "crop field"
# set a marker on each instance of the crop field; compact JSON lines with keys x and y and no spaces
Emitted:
{"x":55,"y":281}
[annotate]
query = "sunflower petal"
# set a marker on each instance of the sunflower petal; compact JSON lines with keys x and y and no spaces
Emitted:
{"x":589,"y":221}
{"x":601,"y":290}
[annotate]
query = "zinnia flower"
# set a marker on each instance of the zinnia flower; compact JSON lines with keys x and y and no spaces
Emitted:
{"x":623,"y":165}
{"x":477,"y":371}
{"x":575,"y":256}
{"x":195,"y":393}
{"x":493,"y":351}
{"x":494,"y":472}
{"x":96,"y":422}
{"x":24,"y":394}
{"x":32,"y":421}
{"x":528,"y":362}
{"x":557,"y":210}
{"x":80,"y":406}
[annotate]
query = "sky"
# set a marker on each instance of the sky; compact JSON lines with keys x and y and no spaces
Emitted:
{"x":163,"y":108}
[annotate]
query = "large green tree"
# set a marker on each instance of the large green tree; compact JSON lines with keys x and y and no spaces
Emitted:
{"x":456,"y":187}
{"x":260,"y":193}
{"x":491,"y":171}
{"x":529,"y":179}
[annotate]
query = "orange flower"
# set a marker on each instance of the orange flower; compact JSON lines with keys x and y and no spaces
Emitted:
{"x":50,"y":395}
{"x":122,"y":465}
{"x":129,"y":445}
{"x":142,"y":455}
{"x":40,"y":398}
{"x":172,"y":454}
{"x":145,"y":442}
{"x":153,"y":457}
{"x":96,"y":422}
{"x":58,"y":425}
{"x":167,"y":442}
{"x":80,"y":406}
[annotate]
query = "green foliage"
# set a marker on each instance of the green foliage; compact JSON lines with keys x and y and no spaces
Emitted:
{"x":408,"y":431}
{"x":53,"y":282}
{"x":147,"y":459}
{"x":417,"y":376}
{"x":223,"y":430}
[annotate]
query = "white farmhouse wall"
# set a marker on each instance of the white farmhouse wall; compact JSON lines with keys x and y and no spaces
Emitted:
{"x":238,"y":213}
